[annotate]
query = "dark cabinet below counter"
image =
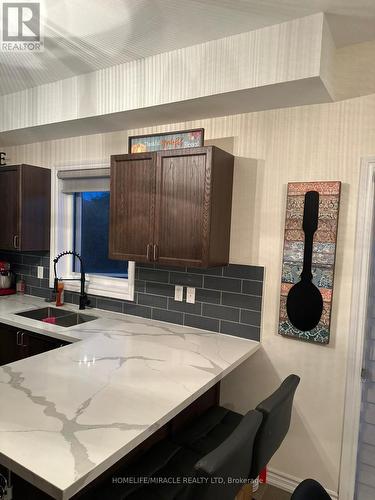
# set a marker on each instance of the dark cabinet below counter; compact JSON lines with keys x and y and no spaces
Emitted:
{"x":172,"y":207}
{"x":16,"y":344}
{"x":25,"y":199}
{"x":9,"y":350}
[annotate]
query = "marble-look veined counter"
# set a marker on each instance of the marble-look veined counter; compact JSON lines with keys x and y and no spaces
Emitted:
{"x":67,"y":415}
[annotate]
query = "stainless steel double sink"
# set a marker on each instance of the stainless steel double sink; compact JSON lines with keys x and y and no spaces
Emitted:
{"x":56,"y":316}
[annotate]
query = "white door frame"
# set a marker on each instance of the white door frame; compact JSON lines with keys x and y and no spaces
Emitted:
{"x":357,"y":331}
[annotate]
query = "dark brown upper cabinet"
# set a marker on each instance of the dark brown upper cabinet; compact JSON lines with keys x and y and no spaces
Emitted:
{"x":172,"y":207}
{"x":25,"y":205}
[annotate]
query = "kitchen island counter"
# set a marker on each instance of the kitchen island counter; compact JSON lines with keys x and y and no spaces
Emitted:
{"x":69,"y":414}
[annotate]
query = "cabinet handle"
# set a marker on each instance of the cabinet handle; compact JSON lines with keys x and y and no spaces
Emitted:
{"x":148,"y":251}
{"x":155,"y":253}
{"x":16,"y":241}
{"x":19,"y":335}
{"x":22,"y":344}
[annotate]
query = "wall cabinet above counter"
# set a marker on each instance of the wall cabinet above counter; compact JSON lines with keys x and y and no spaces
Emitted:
{"x":172,"y":207}
{"x":25,"y":198}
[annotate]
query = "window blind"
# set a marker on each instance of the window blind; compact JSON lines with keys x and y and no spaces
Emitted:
{"x":87,"y":179}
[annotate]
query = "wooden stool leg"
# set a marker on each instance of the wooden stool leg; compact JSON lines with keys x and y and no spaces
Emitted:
{"x":245,"y":492}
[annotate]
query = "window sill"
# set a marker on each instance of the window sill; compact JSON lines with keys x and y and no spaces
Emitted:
{"x":103,"y":286}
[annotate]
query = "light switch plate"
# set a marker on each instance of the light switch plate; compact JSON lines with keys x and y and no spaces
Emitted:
{"x":190,"y":295}
{"x":40,"y":272}
{"x":178,"y":293}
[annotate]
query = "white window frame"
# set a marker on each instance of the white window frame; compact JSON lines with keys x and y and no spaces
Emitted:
{"x":62,"y":238}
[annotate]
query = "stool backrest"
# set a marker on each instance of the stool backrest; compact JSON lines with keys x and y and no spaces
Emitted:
{"x":309,"y":489}
{"x":276,"y":411}
{"x":222,"y":472}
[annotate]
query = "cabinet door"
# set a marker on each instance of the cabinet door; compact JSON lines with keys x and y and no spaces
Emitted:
{"x":182,"y":217}
{"x":33,"y":344}
{"x":9,"y":350}
{"x":9,"y":208}
{"x":132,"y":207}
{"x":35,"y":203}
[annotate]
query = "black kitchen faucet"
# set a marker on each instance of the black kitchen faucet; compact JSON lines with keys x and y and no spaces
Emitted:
{"x":83,"y":299}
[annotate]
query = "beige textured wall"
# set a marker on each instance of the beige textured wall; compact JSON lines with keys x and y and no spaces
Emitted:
{"x":297,"y":144}
{"x":353,"y":70}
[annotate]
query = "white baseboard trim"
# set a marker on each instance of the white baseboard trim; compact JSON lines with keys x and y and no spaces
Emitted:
{"x":289,"y":483}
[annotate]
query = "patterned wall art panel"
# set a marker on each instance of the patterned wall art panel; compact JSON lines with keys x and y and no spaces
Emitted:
{"x":310,"y":272}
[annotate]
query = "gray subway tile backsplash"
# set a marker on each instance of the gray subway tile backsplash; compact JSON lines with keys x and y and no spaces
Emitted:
{"x":228,"y":299}
{"x":221,"y":312}
{"x":44,"y":283}
{"x":24,"y":269}
{"x":160,"y":289}
{"x":228,"y":284}
{"x":169,"y":316}
{"x":71,"y":298}
{"x":201,"y":322}
{"x":244,"y":272}
{"x":186,"y":279}
{"x":239,"y":330}
{"x":252,"y":287}
{"x":250,"y":317}
{"x":93,"y":300}
{"x":153,"y":275}
{"x":153,"y":300}
{"x":213,"y":271}
{"x":32,"y":260}
{"x":33,"y":281}
{"x":209,"y":296}
{"x":43,"y":293}
{"x":242,"y":301}
{"x":109,"y":304}
{"x":136,"y":310}
{"x":139,"y":286}
{"x":174,"y":305}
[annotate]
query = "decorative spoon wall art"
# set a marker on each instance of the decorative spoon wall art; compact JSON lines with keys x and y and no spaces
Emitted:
{"x":308,"y":260}
{"x":304,"y":304}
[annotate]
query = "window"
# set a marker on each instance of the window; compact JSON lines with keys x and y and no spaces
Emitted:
{"x":80,"y":202}
{"x":91,"y":231}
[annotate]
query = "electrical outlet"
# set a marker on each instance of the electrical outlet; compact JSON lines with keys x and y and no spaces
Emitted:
{"x":190,"y":295}
{"x":178,"y":293}
{"x":40,"y":272}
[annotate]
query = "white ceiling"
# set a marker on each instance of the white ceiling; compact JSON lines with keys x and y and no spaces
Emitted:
{"x":83,"y":36}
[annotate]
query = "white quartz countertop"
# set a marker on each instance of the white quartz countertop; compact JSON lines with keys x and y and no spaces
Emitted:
{"x":67,"y":415}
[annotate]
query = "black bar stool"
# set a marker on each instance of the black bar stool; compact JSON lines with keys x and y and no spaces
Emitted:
{"x":277,"y":413}
{"x":217,"y":423}
{"x":310,"y":489}
{"x":169,"y":471}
